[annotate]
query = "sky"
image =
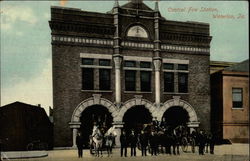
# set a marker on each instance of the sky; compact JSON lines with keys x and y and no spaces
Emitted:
{"x":26,"y":69}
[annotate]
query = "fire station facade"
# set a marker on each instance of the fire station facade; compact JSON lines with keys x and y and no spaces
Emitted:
{"x":125,"y":67}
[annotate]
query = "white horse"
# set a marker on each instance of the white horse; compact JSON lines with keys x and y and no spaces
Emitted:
{"x":97,"y":139}
{"x":109,"y":139}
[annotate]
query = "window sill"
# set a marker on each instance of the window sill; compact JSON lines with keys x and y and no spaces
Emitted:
{"x":101,"y":91}
{"x":149,"y":92}
{"x":175,"y":93}
{"x":237,"y":108}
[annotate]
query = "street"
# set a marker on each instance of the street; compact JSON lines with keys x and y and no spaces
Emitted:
{"x":235,"y":152}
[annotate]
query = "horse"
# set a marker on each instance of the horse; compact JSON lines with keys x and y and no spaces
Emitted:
{"x":97,"y":140}
{"x":109,"y":139}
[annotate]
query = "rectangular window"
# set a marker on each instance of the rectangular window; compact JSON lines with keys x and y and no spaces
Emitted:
{"x":104,"y":62}
{"x":104,"y":79}
{"x":145,"y":81}
{"x":130,"y":64}
{"x":145,"y":64}
{"x":182,"y":82}
{"x":168,"y":82}
{"x":182,"y":67}
{"x":87,"y":79}
{"x":86,"y":61}
{"x":168,"y":66}
{"x":130,"y":80}
{"x":237,"y":97}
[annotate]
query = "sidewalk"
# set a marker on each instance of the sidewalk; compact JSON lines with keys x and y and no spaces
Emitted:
{"x":23,"y":154}
{"x":234,"y":152}
{"x":234,"y":149}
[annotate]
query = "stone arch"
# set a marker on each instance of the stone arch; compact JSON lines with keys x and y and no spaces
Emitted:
{"x":178,"y":102}
{"x":134,"y":102}
{"x":95,"y":100}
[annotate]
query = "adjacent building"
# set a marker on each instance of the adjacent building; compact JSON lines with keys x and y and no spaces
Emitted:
{"x":219,"y":65}
{"x":125,"y":67}
{"x":230,"y":102}
{"x":22,"y":124}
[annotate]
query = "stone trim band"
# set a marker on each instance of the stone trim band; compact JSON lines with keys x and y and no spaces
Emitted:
{"x":109,"y":42}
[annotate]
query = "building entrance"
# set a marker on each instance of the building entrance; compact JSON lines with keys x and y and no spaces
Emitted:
{"x":95,"y":114}
{"x":175,"y":116}
{"x":136,"y":118}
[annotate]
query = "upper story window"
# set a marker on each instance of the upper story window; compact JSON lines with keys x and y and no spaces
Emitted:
{"x":104,"y":79}
{"x":168,"y":82}
{"x":168,"y":66}
{"x":130,"y":80}
{"x":96,"y":74}
{"x":145,"y":64}
{"x":182,"y":67}
{"x":145,"y":81}
{"x":183,"y":82}
{"x":104,"y":62}
{"x":237,"y":97}
{"x":137,"y":31}
{"x":130,"y":64}
{"x":87,"y":78}
{"x":87,"y":61}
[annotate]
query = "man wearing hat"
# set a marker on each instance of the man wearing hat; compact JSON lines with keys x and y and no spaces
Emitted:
{"x":133,"y":141}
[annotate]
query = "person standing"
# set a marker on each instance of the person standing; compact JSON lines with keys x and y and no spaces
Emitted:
{"x":202,"y":141}
{"x":153,"y":143}
{"x":133,"y":142}
{"x":144,"y":142}
{"x":124,"y":142}
{"x":109,"y":143}
{"x":176,"y":143}
{"x":0,"y":150}
{"x":212,"y":143}
{"x":168,"y":141}
{"x":79,"y":143}
{"x":193,"y":140}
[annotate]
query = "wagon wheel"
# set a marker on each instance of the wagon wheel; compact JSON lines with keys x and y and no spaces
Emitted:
{"x":184,"y":144}
{"x":30,"y":146}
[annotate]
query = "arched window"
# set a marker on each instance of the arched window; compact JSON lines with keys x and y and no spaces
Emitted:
{"x":137,"y":31}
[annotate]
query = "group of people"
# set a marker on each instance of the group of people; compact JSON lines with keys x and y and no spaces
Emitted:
{"x":156,"y":140}
{"x":167,"y":142}
{"x":142,"y":139}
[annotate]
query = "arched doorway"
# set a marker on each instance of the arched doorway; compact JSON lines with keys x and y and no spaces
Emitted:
{"x":135,"y":118}
{"x":94,"y":113}
{"x":175,"y":116}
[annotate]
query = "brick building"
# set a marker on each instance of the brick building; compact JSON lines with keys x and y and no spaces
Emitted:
{"x":230,"y":102}
{"x":21,"y":124}
{"x":125,"y":67}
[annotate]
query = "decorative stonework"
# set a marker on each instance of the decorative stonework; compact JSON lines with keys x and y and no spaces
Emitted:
{"x":184,"y":48}
{"x":157,"y":64}
{"x":117,"y":61}
{"x":96,"y":100}
{"x":137,"y":45}
{"x":176,"y":101}
{"x":81,"y":40}
{"x":134,"y":102}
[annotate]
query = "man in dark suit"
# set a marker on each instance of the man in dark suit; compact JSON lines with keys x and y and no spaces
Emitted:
{"x":79,"y":143}
{"x":144,"y":143}
{"x":202,"y":142}
{"x":133,"y":142}
{"x":124,"y":142}
{"x":153,"y":141}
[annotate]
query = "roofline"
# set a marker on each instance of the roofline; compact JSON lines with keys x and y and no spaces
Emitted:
{"x":22,"y":103}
